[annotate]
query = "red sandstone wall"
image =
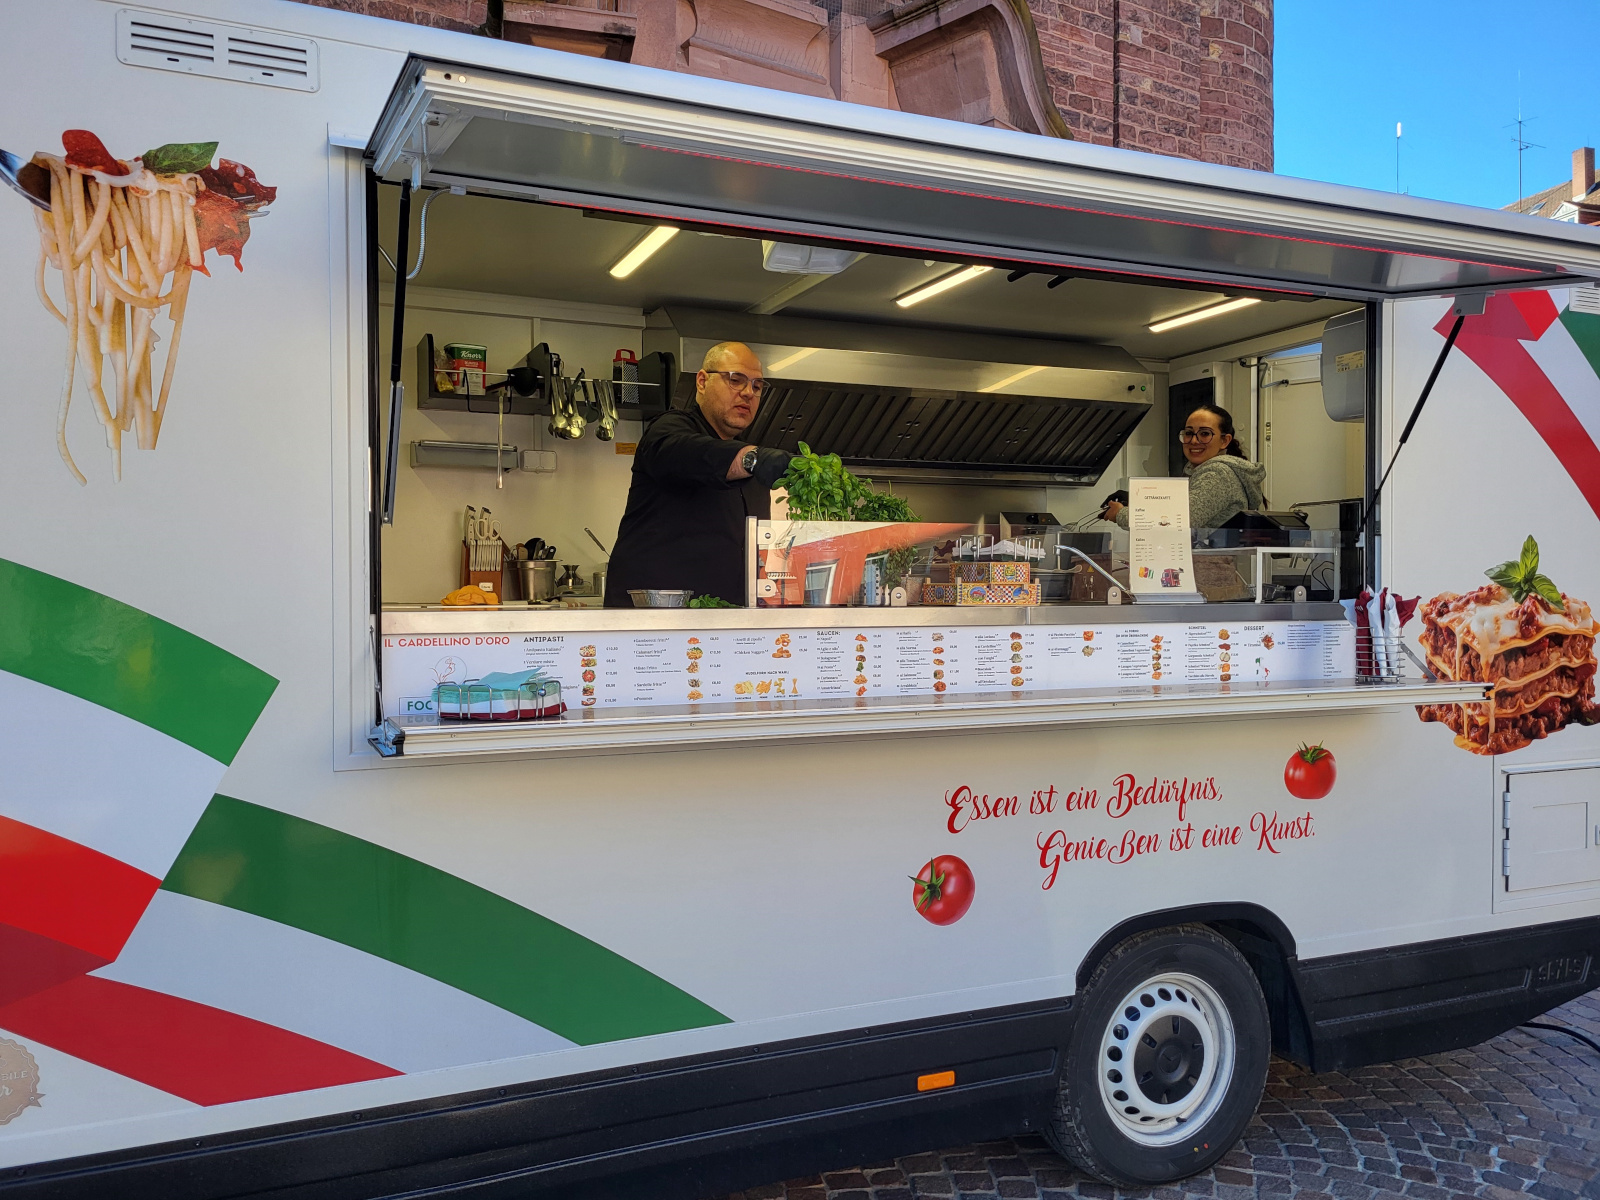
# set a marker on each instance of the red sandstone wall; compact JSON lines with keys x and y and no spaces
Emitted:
{"x":1190,"y":78}
{"x":463,"y":16}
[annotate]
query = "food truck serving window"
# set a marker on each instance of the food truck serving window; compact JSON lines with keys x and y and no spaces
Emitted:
{"x":968,"y":382}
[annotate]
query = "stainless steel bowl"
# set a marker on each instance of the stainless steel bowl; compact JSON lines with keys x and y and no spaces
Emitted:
{"x":660,"y":597}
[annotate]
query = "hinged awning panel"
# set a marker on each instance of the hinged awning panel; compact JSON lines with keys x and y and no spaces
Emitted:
{"x":809,"y":168}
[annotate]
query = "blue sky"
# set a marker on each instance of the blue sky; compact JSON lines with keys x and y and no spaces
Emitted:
{"x":1347,"y":70}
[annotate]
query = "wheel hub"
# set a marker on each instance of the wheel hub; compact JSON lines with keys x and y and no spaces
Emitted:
{"x":1166,"y":1058}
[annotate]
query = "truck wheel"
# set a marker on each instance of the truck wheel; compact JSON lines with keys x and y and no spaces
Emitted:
{"x":1167,"y":1060}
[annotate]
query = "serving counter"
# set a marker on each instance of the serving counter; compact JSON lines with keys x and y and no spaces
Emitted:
{"x":636,"y":678}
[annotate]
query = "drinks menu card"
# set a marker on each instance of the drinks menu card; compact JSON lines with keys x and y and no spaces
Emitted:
{"x":1159,"y":558}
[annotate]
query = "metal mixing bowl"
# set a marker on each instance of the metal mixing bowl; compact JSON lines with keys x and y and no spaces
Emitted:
{"x":660,"y":597}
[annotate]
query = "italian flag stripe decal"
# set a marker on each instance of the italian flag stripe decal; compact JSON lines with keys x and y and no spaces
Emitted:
{"x":68,"y":893}
{"x":200,"y":1053}
{"x":299,"y":873}
{"x":123,"y":659}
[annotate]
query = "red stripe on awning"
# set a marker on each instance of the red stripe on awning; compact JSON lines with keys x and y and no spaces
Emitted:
{"x":190,"y":1050}
{"x":67,"y":892}
{"x":1494,"y":342}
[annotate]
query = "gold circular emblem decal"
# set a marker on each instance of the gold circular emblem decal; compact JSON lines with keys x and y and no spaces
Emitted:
{"x":19,"y":1080}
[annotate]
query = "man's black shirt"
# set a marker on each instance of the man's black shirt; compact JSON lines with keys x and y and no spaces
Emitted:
{"x":684,"y":525}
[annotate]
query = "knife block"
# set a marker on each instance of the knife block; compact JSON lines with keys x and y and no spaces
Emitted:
{"x":495,"y":579}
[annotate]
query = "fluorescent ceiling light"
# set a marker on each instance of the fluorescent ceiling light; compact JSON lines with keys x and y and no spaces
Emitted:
{"x":642,"y":250}
{"x":783,"y":364}
{"x":1201,"y":314}
{"x":944,"y":284}
{"x":1010,"y":379}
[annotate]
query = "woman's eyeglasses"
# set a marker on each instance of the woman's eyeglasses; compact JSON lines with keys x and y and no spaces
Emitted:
{"x":739,"y":381}
{"x":1196,"y":435}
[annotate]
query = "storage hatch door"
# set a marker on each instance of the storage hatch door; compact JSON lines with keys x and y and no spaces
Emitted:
{"x":1551,"y":839}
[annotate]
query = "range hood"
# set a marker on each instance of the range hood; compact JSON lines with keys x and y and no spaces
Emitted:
{"x":898,"y":402}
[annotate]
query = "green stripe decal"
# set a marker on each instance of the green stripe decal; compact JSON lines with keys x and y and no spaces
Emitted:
{"x":299,"y":873}
{"x":1585,"y":330}
{"x":111,"y":654}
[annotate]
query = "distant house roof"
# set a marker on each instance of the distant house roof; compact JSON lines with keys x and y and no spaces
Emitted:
{"x":1551,"y":202}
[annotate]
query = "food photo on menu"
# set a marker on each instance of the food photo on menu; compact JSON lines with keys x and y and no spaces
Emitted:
{"x":1530,"y":641}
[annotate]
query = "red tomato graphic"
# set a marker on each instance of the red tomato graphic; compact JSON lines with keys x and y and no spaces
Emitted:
{"x":1310,"y":773}
{"x":942,"y":891}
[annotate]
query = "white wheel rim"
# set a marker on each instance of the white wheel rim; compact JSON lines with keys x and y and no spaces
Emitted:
{"x":1166,"y":1058}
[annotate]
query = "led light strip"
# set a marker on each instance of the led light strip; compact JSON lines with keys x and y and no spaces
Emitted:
{"x":1202,"y":314}
{"x":943,"y":284}
{"x":642,"y":250}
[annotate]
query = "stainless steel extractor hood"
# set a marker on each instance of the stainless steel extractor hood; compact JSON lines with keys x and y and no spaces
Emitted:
{"x":897,"y":402}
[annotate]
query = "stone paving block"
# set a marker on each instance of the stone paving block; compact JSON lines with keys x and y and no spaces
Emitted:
{"x":1016,"y":1187}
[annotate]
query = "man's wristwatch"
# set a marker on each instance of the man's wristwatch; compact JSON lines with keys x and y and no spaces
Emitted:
{"x":747,"y":463}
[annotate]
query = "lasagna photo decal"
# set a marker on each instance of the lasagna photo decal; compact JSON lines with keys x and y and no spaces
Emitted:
{"x":1525,"y":638}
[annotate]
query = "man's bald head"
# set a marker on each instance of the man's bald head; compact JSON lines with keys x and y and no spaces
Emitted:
{"x":719,"y":356}
{"x":728,"y":387}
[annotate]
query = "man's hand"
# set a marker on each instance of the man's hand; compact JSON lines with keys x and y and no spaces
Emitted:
{"x":771,"y":465}
{"x":1110,"y":511}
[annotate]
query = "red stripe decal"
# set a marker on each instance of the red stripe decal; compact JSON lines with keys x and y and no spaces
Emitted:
{"x":30,"y":963}
{"x":199,"y":1053}
{"x":1494,"y":342}
{"x":69,"y":893}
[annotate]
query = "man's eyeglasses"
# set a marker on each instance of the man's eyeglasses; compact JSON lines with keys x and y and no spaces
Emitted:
{"x":739,"y":381}
{"x":1196,"y":435}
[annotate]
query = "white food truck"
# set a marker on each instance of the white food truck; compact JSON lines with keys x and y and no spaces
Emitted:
{"x":312,"y":885}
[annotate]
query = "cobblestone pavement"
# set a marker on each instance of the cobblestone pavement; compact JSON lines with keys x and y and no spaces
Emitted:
{"x":1517,"y":1115}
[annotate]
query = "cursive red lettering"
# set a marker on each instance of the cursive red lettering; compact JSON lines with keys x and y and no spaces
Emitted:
{"x":957,"y":802}
{"x":1271,"y":830}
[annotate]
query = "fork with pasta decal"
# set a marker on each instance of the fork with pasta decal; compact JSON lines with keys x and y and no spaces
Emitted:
{"x":124,"y":238}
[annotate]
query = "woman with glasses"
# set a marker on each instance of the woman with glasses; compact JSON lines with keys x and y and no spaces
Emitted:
{"x":1222,"y":481}
{"x":696,"y":478}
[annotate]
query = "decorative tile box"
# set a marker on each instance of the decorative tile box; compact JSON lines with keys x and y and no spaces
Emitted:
{"x":980,"y":594}
{"x":998,"y":593}
{"x":994,"y":572}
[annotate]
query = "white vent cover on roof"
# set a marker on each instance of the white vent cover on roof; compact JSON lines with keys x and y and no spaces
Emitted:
{"x":224,"y":51}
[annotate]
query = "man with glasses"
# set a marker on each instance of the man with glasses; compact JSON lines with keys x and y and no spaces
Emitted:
{"x":695,"y":481}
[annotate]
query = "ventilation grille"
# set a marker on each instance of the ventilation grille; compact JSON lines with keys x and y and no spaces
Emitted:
{"x":222,"y":51}
{"x":1586,"y":299}
{"x":889,"y":427}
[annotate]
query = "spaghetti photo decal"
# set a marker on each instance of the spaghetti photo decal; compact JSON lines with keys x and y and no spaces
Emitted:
{"x":119,"y":242}
{"x":1527,"y":639}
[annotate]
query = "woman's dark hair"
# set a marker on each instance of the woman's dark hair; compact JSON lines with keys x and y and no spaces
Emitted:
{"x":1225,"y":424}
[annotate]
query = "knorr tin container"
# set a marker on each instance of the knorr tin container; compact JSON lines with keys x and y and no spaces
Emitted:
{"x":467,"y":365}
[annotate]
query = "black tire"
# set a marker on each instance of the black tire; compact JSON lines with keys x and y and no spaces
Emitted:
{"x":1198,"y":983}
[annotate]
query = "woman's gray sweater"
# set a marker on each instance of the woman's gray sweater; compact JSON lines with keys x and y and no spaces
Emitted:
{"x":1219,"y":488}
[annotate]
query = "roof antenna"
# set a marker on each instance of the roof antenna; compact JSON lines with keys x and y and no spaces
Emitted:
{"x":1522,"y":142}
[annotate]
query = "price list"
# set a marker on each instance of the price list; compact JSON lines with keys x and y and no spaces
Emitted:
{"x":612,"y":669}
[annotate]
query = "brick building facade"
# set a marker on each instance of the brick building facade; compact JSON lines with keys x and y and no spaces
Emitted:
{"x":1188,"y":78}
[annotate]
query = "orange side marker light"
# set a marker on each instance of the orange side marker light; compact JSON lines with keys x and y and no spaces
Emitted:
{"x":939,"y":1079}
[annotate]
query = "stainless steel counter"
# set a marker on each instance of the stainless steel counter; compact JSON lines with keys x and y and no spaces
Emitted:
{"x":518,"y":619}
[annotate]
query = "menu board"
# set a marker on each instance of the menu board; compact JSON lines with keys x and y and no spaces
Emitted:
{"x":1159,"y":557}
{"x":634,"y":669}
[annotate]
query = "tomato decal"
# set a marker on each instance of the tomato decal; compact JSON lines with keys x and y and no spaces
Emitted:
{"x":1310,"y":773}
{"x":942,"y":891}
